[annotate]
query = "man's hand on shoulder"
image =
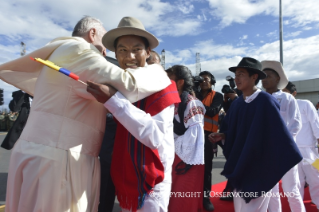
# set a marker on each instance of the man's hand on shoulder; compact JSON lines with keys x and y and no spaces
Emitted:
{"x":102,"y":93}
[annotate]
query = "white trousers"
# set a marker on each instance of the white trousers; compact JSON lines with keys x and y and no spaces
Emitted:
{"x":158,"y":200}
{"x":43,"y":178}
{"x":307,"y":173}
{"x":274,"y":202}
{"x":291,"y":186}
{"x":259,"y":204}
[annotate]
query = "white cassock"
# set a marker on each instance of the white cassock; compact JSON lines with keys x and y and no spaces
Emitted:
{"x":306,"y":142}
{"x":290,"y":113}
{"x":155,"y":132}
{"x":54,"y":165}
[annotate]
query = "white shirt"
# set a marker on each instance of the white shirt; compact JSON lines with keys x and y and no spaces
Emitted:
{"x":309,"y":133}
{"x":253,"y":96}
{"x":289,"y":112}
{"x":190,"y":146}
{"x":155,"y":132}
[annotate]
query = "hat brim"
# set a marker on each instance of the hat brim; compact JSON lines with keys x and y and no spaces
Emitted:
{"x":109,"y":37}
{"x":261,"y":74}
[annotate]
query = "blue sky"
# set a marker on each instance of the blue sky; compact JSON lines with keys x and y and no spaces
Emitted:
{"x":222,"y":31}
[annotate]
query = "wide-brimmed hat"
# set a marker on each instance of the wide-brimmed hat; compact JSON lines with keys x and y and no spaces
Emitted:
{"x":128,"y":26}
{"x":250,"y":64}
{"x":277,"y":67}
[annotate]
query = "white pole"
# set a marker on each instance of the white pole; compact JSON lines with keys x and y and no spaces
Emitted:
{"x":281,"y":37}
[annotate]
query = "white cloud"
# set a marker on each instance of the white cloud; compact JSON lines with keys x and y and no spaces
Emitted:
{"x":208,"y":49}
{"x":273,"y":34}
{"x":177,"y":27}
{"x":241,"y":40}
{"x":185,"y":7}
{"x":37,"y":22}
{"x":299,"y":57}
{"x":307,"y":28}
{"x":293,"y":34}
{"x":300,"y":13}
{"x":230,"y":11}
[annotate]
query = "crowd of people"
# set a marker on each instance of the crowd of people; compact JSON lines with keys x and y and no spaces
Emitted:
{"x":149,"y":136}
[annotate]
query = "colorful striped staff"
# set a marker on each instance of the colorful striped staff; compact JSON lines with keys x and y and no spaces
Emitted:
{"x":59,"y":69}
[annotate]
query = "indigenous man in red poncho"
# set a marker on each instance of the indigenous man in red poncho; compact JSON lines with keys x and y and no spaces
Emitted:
{"x":144,"y":144}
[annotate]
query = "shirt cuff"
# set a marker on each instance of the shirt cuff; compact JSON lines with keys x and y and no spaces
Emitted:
{"x":116,"y":102}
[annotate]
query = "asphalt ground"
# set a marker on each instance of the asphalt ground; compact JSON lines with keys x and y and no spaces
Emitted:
{"x":218,"y":164}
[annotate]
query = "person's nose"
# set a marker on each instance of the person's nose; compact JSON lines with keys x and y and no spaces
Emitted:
{"x":130,"y":55}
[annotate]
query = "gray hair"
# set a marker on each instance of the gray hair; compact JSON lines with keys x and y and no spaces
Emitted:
{"x":85,"y":24}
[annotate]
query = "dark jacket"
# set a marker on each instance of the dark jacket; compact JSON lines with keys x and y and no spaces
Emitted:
{"x":216,"y":105}
{"x":20,"y":102}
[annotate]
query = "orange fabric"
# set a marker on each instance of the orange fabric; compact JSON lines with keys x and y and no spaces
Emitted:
{"x":210,"y":123}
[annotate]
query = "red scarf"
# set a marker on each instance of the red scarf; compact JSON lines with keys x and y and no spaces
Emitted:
{"x":136,"y":168}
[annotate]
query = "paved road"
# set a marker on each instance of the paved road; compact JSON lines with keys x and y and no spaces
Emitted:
{"x":218,"y":165}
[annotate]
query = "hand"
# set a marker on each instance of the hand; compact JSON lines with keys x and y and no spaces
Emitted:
{"x":215,"y":137}
{"x":102,"y":93}
{"x":225,"y":97}
{"x":232,"y":96}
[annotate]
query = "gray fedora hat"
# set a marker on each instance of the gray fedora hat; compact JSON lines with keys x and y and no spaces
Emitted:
{"x":128,"y":26}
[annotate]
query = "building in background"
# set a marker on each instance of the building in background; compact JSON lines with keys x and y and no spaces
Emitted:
{"x":308,"y":89}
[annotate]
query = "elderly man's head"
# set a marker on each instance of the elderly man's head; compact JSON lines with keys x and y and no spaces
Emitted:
{"x":92,"y":30}
{"x":131,"y":51}
{"x":154,"y":58}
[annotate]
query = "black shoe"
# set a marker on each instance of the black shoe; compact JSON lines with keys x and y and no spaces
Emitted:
{"x":306,"y":185}
{"x":208,"y":205}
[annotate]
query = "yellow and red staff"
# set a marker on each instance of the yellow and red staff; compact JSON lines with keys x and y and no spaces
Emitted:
{"x":59,"y":69}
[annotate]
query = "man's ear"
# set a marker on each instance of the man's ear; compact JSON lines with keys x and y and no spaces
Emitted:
{"x":148,"y":52}
{"x":92,"y":35}
{"x":294,"y":93}
{"x":254,"y":77}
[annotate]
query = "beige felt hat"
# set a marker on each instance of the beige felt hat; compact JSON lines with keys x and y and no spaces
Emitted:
{"x":128,"y":26}
{"x":277,"y":67}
